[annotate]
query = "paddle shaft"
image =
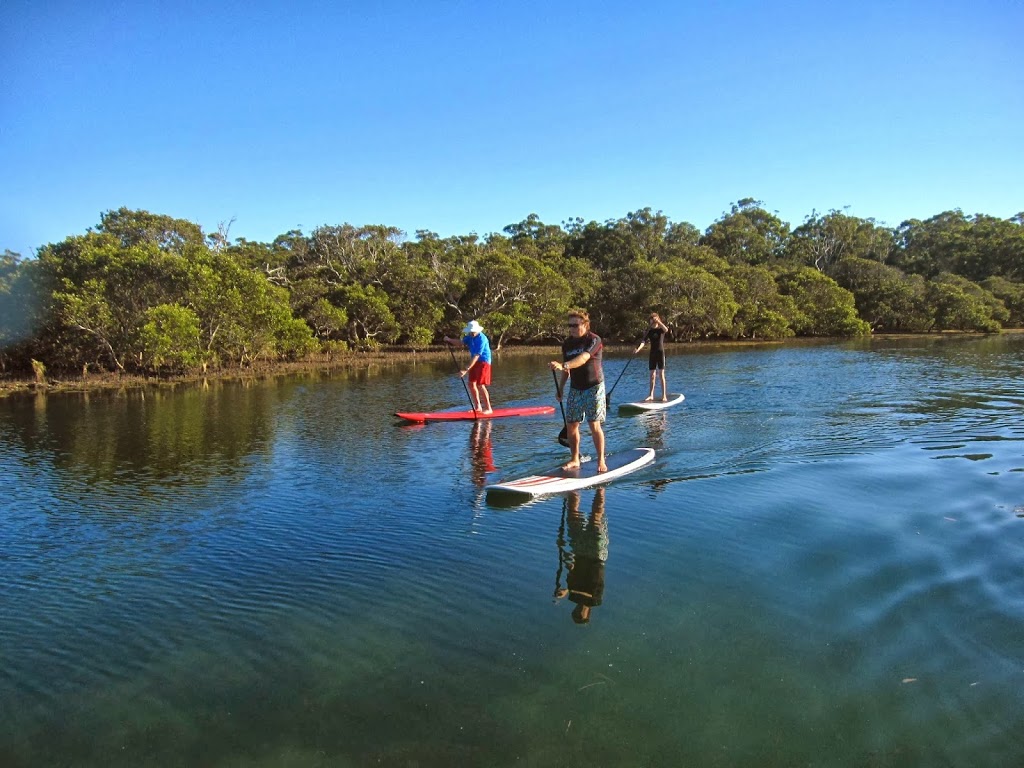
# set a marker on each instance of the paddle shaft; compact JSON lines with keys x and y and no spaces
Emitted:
{"x":608,"y":396}
{"x":563,"y":436}
{"x":465,"y":386}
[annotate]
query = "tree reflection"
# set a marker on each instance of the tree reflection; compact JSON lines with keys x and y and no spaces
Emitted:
{"x":172,"y":435}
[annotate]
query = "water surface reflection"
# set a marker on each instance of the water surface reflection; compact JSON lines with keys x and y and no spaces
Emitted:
{"x":583,"y":552}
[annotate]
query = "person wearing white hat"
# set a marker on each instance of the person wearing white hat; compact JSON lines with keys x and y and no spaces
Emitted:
{"x":479,"y":368}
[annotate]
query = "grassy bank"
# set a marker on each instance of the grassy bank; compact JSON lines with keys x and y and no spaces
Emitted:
{"x":350,"y":360}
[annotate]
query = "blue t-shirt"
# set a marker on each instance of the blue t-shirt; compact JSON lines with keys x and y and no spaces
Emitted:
{"x":478,"y":345}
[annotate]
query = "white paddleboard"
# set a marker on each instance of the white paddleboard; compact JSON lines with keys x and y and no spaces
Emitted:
{"x":653,"y":405}
{"x":559,"y":480}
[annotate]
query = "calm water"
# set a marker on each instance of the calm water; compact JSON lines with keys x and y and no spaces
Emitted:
{"x":824,"y":567}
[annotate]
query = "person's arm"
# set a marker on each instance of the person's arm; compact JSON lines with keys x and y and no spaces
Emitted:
{"x":646,"y":336}
{"x":556,"y":365}
{"x":453,"y":342}
{"x":472,"y":362}
{"x":577,"y":362}
{"x":662,"y":325}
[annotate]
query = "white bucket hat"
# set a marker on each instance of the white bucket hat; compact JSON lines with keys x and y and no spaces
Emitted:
{"x":473,"y":327}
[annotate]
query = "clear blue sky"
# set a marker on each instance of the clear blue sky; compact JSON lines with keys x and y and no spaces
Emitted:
{"x":461,"y":117}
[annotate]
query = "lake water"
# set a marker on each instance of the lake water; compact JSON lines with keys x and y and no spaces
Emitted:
{"x":823,"y":567}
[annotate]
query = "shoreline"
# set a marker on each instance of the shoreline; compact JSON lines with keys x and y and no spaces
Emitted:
{"x":395,"y":356}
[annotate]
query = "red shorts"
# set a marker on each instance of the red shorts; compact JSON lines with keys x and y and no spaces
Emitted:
{"x":480,"y":373}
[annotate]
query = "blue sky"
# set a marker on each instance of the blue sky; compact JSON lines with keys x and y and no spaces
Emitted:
{"x":461,"y":117}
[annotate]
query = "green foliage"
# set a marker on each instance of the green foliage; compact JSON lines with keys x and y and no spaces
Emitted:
{"x":628,"y":295}
{"x":748,"y":234}
{"x":146,"y":292}
{"x":823,"y":241}
{"x":516,"y":296}
{"x":889,"y":300}
{"x":960,"y":305}
{"x":693,"y":302}
{"x":823,"y":307}
{"x":1011,"y":294}
{"x":138,"y":227}
{"x":327,"y":321}
{"x":975,"y":248}
{"x":763,"y":312}
{"x":371,"y":321}
{"x":22,"y":307}
{"x":129,"y":295}
{"x":169,"y":339}
{"x":292,"y":338}
{"x":418,"y":338}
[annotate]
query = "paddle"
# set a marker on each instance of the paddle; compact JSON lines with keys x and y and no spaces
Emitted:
{"x":462,"y":379}
{"x":563,"y":436}
{"x":558,"y":594}
{"x":608,"y":396}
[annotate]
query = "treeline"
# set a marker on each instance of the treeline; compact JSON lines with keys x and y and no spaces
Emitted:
{"x":147,"y":293}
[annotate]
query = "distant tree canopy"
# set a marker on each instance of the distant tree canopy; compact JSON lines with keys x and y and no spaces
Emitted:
{"x":147,"y":293}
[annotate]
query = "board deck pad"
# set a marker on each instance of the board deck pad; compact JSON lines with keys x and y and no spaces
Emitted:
{"x":498,"y":413}
{"x":674,"y":398}
{"x":559,"y":480}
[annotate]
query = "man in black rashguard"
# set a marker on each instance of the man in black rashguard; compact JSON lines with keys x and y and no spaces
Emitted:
{"x":581,"y":366}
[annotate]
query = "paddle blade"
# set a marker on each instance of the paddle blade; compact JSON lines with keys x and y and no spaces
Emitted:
{"x":563,"y":437}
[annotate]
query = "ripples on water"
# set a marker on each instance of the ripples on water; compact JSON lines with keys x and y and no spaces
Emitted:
{"x":822,"y":567}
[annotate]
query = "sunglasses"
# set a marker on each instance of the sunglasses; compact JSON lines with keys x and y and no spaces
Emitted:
{"x":574,"y":325}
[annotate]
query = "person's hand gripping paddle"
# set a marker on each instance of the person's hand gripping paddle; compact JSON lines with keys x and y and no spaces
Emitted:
{"x":563,"y":436}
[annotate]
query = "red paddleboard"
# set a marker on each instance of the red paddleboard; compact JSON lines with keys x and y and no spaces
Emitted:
{"x":497,"y":413}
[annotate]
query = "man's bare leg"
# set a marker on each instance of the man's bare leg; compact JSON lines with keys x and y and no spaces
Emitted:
{"x":572,"y":432}
{"x":598,"y":433}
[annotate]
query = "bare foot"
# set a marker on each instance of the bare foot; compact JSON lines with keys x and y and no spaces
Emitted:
{"x":488,"y":412}
{"x":601,"y":466}
{"x":649,"y":398}
{"x":571,"y":464}
{"x":664,"y":400}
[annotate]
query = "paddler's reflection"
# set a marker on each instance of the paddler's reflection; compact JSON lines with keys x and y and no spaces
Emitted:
{"x":656,"y":424}
{"x":583,"y":550}
{"x":481,"y":451}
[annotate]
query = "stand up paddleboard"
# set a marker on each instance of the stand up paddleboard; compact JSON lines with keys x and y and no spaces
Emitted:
{"x":559,"y":480}
{"x":652,"y":405}
{"x":497,"y":413}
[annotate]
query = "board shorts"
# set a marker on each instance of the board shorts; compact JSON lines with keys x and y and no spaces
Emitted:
{"x":586,"y":404}
{"x":656,"y":360}
{"x":480,"y":373}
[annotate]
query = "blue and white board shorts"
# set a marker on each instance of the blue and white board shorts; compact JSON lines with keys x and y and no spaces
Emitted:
{"x":586,"y":404}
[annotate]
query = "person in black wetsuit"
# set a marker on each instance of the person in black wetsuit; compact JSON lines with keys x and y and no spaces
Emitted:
{"x":656,"y":361}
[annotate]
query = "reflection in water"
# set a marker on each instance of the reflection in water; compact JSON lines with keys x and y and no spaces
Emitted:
{"x":220,"y":577}
{"x":160,"y":435}
{"x":481,"y":450}
{"x":656,"y":425}
{"x":582,"y":555}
